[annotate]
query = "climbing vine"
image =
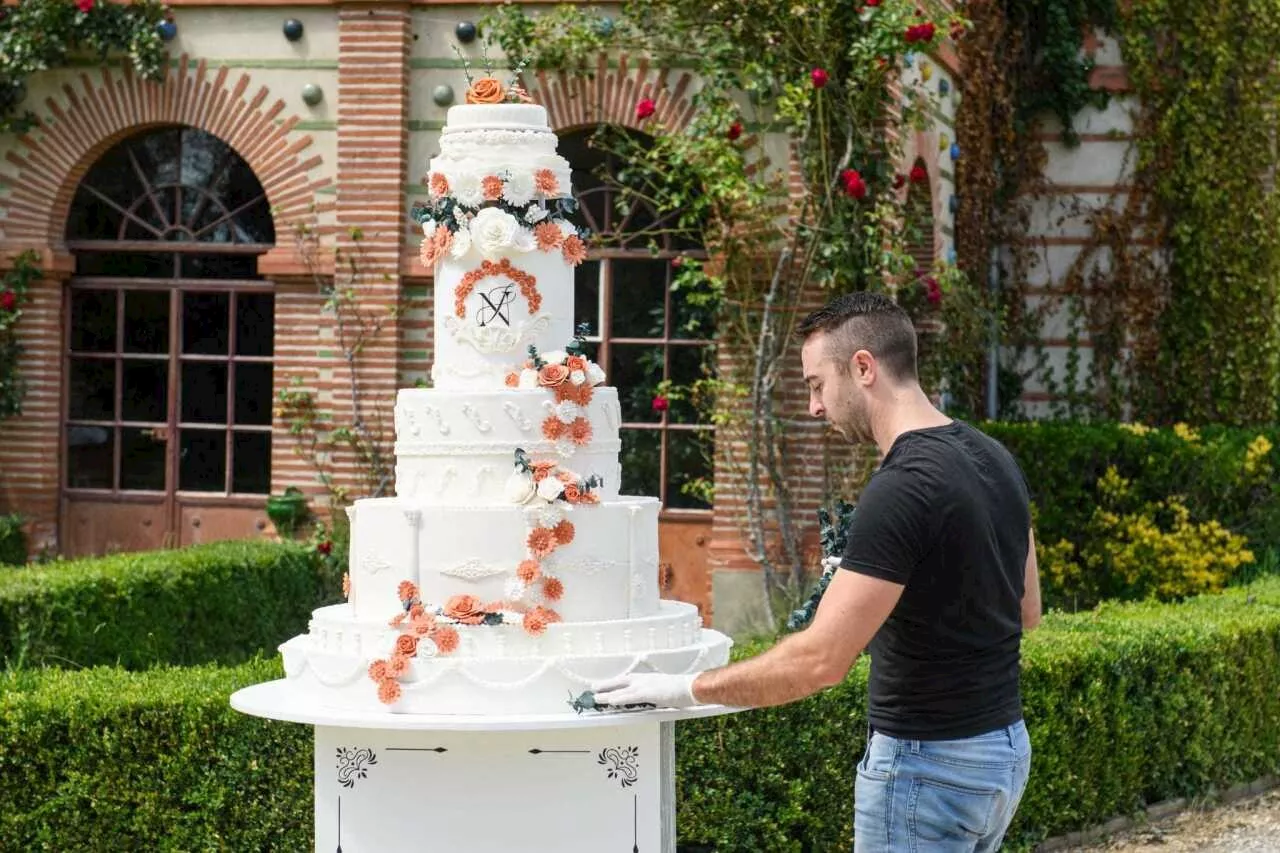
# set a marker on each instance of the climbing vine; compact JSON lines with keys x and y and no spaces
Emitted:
{"x":15,"y":284}
{"x":817,"y":82}
{"x":36,"y":35}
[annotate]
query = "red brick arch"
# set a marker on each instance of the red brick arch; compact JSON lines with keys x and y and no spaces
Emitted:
{"x":106,"y":108}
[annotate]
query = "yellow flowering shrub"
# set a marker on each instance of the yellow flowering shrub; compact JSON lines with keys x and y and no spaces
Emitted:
{"x":1137,"y":550}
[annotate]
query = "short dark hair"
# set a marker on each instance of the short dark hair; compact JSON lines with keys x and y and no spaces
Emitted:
{"x":870,"y":321}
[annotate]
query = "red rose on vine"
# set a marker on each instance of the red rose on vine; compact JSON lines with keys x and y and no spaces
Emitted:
{"x":645,"y":108}
{"x":819,"y":78}
{"x":853,"y":184}
{"x":735,"y":130}
{"x":661,"y":403}
{"x":84,"y":5}
{"x":919,"y":174}
{"x":8,"y":300}
{"x":932,"y":291}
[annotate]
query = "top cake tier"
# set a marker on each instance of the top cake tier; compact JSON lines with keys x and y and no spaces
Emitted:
{"x":508,"y":140}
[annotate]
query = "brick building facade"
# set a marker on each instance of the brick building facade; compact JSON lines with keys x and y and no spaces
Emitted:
{"x":337,"y":128}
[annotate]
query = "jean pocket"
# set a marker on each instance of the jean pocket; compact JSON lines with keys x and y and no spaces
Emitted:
{"x":877,"y":761}
{"x":944,"y":811}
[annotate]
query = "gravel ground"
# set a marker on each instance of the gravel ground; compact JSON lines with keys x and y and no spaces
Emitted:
{"x":1246,"y":826}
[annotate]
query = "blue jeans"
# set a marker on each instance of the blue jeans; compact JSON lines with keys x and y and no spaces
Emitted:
{"x":942,"y":796}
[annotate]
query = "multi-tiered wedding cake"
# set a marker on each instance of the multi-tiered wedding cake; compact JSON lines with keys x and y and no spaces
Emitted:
{"x":508,"y":573}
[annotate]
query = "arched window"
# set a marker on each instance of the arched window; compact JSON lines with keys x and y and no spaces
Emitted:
{"x":643,"y":332}
{"x":170,"y":328}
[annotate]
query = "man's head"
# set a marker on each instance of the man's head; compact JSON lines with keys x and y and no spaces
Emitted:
{"x":859,"y":348}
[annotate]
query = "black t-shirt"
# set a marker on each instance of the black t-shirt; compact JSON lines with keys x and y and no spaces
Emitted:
{"x":947,"y":515}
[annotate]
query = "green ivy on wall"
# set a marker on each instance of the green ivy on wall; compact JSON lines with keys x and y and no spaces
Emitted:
{"x":14,"y":286}
{"x":37,"y":35}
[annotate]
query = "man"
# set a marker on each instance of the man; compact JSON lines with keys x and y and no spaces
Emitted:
{"x":939,"y":576}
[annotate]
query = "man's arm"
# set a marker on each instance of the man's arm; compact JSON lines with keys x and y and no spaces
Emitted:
{"x":852,"y":609}
{"x":1031,"y":605}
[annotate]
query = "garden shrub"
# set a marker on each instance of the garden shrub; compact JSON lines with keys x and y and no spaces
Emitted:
{"x":220,"y":602}
{"x":13,"y":541}
{"x":1215,"y":474}
{"x":1127,"y":705}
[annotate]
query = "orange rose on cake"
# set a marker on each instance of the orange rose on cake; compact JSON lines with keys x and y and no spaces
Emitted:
{"x":486,"y":90}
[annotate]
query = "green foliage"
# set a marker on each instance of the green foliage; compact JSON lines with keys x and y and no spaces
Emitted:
{"x":104,"y":759}
{"x":15,"y":285}
{"x":13,"y":540}
{"x":1218,"y":474}
{"x":1126,"y":706}
{"x":1210,"y":88}
{"x":36,"y":35}
{"x":221,"y":602}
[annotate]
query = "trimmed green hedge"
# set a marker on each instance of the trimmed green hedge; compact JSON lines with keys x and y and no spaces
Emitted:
{"x":1127,"y":705}
{"x":211,"y":603}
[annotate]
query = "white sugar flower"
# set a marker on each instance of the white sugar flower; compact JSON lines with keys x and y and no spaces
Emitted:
{"x":514,"y":590}
{"x":427,"y":648}
{"x":534,"y":215}
{"x":518,"y":189}
{"x":524,"y":241}
{"x":566,"y":229}
{"x":520,"y":487}
{"x":555,"y":356}
{"x":461,"y":244}
{"x":493,"y":231}
{"x":567,"y":411}
{"x":429,"y":227}
{"x":550,"y":488}
{"x":594,"y":374}
{"x":577,"y":377}
{"x":528,"y":379}
{"x":549,"y":515}
{"x":468,"y":189}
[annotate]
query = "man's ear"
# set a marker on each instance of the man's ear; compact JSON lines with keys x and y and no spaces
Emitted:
{"x":863,"y":366}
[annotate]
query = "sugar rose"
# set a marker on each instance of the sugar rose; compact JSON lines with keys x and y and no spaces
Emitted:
{"x":486,"y":90}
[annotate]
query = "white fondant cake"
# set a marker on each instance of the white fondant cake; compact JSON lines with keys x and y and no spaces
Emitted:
{"x":507,"y":573}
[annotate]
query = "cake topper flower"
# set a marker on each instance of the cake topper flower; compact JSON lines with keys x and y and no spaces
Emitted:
{"x":486,"y":90}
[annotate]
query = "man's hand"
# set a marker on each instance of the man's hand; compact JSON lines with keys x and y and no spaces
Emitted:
{"x":651,"y":688}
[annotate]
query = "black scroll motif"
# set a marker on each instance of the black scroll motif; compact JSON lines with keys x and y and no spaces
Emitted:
{"x":496,"y":305}
{"x":620,"y":763}
{"x":354,"y":763}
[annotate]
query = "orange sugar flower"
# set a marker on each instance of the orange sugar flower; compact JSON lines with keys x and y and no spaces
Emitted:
{"x":567,"y":477}
{"x":552,"y":589}
{"x":423,"y":627}
{"x":572,"y":493}
{"x":573,"y":250}
{"x":575,"y":362}
{"x":552,"y":375}
{"x":513,"y":380}
{"x":398,"y":665}
{"x":446,"y":639}
{"x":548,"y":236}
{"x":492,"y":186}
{"x":563,"y":531}
{"x":406,"y":644}
{"x":541,"y":541}
{"x":397,"y":619}
{"x":580,"y":430}
{"x":552,"y":428}
{"x":542,"y":468}
{"x":544,"y":181}
{"x":439,"y":184}
{"x":546,"y":614}
{"x":388,"y":691}
{"x":427,"y":252}
{"x":378,"y":670}
{"x":528,"y":571}
{"x":534,"y":622}
{"x":465,"y":609}
{"x":407,"y":590}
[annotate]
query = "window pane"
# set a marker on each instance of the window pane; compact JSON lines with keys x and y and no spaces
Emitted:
{"x":586,"y":297}
{"x":688,"y":365}
{"x":203,"y":465}
{"x":255,"y":323}
{"x":127,"y":264}
{"x":90,"y":450}
{"x":205,"y":323}
{"x":93,"y":321}
{"x":251,"y":463}
{"x":689,"y":468}
{"x":146,"y":321}
{"x":146,"y":391}
{"x":641,"y":460}
{"x":204,"y":393}
{"x":141,"y":461}
{"x":219,"y":266}
{"x":638,"y":294}
{"x":253,"y":394}
{"x":92,"y":395}
{"x":635,"y":370}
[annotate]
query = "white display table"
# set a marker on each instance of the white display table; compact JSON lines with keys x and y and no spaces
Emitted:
{"x":563,"y":783}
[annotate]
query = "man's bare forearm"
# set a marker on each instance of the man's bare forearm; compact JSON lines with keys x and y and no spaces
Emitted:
{"x":791,"y":670}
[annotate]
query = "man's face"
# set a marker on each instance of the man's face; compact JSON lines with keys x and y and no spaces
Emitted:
{"x":834,"y":394}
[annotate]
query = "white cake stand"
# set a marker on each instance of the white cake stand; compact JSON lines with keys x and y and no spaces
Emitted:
{"x":557,"y":783}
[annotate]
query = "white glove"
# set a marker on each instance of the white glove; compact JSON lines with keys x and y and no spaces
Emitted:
{"x":652,"y":688}
{"x":831,"y":562}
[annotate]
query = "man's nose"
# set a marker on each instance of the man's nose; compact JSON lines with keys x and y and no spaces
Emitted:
{"x":815,"y":408}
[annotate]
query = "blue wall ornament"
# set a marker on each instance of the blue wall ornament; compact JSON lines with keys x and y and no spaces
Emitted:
{"x":167,"y":30}
{"x":442,"y":95}
{"x":312,"y":94}
{"x":292,"y":29}
{"x":465,"y":31}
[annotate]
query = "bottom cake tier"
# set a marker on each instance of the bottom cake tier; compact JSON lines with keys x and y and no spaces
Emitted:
{"x":494,"y":669}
